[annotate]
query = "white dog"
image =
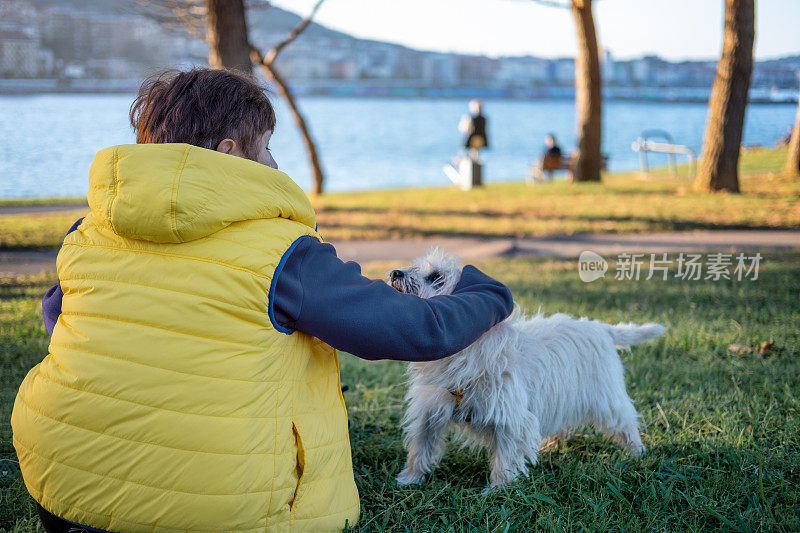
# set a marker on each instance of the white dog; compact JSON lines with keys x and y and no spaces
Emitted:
{"x":525,"y":380}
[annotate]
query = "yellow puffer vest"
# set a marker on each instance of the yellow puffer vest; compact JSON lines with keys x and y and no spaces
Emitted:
{"x":169,"y":400}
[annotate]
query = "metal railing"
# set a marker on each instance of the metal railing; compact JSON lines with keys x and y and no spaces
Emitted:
{"x":645,"y":144}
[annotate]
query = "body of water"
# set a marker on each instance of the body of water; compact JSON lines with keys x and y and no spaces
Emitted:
{"x":48,"y":141}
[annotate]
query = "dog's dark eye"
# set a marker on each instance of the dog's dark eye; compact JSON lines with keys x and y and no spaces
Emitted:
{"x":433,"y":278}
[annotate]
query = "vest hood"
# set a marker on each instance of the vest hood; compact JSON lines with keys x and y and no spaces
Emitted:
{"x":172,"y":193}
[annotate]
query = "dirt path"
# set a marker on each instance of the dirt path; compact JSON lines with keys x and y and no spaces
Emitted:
{"x":16,"y":263}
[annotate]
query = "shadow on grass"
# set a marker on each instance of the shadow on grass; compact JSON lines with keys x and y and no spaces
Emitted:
{"x":644,"y":224}
{"x":677,"y":225}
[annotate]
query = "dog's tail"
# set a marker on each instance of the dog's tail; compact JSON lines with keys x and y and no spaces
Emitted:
{"x":630,"y":333}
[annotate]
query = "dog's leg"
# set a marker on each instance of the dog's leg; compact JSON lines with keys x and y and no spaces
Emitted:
{"x":621,"y":425}
{"x":508,"y":458}
{"x":551,"y":442}
{"x":424,"y":438}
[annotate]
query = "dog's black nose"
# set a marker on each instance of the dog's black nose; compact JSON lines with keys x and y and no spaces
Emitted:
{"x":397,"y":274}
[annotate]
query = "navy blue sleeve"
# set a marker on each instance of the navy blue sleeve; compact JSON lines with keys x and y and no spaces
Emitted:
{"x":51,"y":303}
{"x":320,"y":295}
{"x":51,"y":307}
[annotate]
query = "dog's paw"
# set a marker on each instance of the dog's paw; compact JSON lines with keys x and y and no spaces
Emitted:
{"x":499,"y":478}
{"x":488,"y":490}
{"x":407,"y":477}
{"x":637,"y":451}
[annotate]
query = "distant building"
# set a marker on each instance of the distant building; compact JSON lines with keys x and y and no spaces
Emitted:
{"x":408,"y":64}
{"x":622,"y":74}
{"x":641,"y":70}
{"x":563,"y":71}
{"x":665,"y":75}
{"x":775,"y":75}
{"x":47,"y":62}
{"x":19,"y":39}
{"x":521,"y":72}
{"x":18,"y":15}
{"x":608,"y":68}
{"x":345,"y":69}
{"x":112,"y":68}
{"x":477,"y":69}
{"x":66,"y":33}
{"x":98,"y":41}
{"x":439,"y":70}
{"x":303,"y":61}
{"x":80,"y":35}
{"x":19,"y":54}
{"x":377,"y":61}
{"x":181,"y":47}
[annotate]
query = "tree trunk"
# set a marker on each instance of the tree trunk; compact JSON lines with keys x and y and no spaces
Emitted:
{"x":228,"y":44}
{"x":793,"y":158}
{"x":588,"y":96}
{"x":316,"y":167}
{"x":720,"y":160}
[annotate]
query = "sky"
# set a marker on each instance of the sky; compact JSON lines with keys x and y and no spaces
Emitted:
{"x":673,"y":29}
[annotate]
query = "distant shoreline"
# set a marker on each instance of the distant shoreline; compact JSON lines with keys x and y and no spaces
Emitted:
{"x":403,"y":89}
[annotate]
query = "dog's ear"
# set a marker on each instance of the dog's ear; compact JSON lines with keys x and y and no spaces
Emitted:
{"x":439,"y":257}
{"x":434,"y":255}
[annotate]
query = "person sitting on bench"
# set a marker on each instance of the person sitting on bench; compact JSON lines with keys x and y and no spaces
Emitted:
{"x":551,"y":156}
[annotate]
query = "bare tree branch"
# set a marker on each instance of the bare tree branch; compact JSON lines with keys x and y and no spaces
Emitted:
{"x":188,"y":15}
{"x":283,"y":87}
{"x":272,"y":54}
{"x":269,"y":69}
{"x":192,"y":15}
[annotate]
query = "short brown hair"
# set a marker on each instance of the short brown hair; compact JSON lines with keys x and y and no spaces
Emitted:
{"x":202,"y":107}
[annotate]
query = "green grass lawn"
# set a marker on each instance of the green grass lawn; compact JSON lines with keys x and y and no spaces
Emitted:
{"x":722,"y":429}
{"x":622,"y":203}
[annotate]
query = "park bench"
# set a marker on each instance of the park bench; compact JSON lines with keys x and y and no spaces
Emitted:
{"x":556,"y":164}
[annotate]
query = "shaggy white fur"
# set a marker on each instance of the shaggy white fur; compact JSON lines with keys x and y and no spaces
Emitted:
{"x":526,"y":379}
